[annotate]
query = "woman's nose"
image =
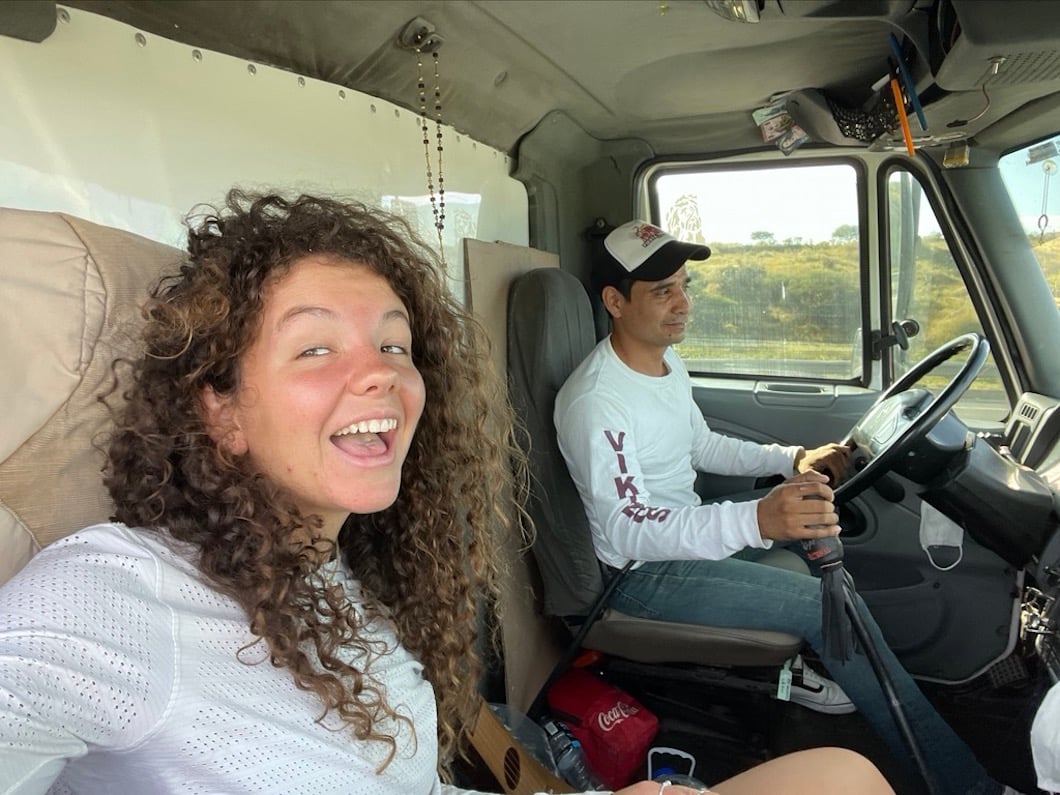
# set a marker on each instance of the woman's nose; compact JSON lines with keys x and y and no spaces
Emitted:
{"x":372,"y":373}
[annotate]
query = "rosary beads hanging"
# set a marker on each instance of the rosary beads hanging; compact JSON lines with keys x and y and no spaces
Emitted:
{"x":437,"y":202}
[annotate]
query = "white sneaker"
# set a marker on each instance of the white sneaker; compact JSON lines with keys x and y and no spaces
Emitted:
{"x":815,"y":692}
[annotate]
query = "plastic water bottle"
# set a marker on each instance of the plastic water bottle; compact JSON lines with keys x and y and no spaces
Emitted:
{"x":570,"y":758}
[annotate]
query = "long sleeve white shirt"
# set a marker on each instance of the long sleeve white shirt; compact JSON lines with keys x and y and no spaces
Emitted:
{"x":122,"y":671}
{"x":1045,"y":741}
{"x":633,"y":444}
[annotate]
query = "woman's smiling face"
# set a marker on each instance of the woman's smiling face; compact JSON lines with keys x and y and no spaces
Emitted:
{"x":329,"y":397}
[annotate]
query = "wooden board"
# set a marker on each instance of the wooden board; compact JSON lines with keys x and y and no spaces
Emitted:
{"x":516,"y":771}
{"x":531,"y":645}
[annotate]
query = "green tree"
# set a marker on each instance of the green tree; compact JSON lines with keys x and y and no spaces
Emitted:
{"x":847,"y":233}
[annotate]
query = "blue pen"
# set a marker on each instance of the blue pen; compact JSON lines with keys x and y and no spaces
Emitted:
{"x":896,"y":51}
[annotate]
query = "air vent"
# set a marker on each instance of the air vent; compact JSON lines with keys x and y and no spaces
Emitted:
{"x":987,"y":32}
{"x":1028,"y":411}
{"x":1027,"y":67}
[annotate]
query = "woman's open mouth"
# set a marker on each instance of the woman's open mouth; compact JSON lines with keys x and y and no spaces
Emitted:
{"x":366,"y":438}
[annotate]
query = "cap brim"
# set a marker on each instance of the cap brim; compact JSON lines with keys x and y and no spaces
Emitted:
{"x":668,"y":260}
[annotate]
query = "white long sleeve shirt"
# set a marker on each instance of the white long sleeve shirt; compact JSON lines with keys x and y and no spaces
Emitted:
{"x":1045,"y":741}
{"x":633,"y":444}
{"x":122,"y":671}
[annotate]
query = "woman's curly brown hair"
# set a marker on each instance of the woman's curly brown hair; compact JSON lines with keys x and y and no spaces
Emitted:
{"x":428,"y":561}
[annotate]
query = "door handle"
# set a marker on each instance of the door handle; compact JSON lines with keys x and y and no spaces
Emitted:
{"x":787,"y":393}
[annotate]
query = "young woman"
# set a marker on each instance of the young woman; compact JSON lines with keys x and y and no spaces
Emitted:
{"x":306,"y":490}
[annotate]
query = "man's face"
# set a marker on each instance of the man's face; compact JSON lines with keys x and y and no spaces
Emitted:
{"x":656,"y":313}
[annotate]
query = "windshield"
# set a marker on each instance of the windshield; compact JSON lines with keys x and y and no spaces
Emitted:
{"x":1029,"y":175}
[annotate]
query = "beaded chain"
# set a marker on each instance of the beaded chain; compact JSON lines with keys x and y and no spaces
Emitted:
{"x":437,"y":202}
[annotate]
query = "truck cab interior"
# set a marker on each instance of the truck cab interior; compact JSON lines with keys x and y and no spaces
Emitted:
{"x":873,"y":179}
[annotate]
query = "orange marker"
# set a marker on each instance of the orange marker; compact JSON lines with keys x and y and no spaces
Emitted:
{"x":899,"y":104}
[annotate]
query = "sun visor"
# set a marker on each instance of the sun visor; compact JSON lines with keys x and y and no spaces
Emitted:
{"x":811,"y":111}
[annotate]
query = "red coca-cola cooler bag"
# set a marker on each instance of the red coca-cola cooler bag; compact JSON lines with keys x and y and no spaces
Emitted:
{"x":615,"y":729}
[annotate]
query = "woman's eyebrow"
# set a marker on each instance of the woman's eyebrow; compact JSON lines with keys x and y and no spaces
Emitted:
{"x":329,"y":314}
{"x":397,"y":314}
{"x":300,"y":311}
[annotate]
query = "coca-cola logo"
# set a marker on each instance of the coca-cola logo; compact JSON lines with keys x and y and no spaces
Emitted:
{"x":614,"y":716}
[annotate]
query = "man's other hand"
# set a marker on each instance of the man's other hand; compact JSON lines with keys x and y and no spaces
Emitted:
{"x":800,"y":507}
{"x":832,"y":459}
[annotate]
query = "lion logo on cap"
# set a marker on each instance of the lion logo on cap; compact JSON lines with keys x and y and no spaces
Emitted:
{"x":648,"y":234}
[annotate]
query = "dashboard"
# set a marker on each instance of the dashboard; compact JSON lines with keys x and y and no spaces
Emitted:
{"x":1032,"y":436}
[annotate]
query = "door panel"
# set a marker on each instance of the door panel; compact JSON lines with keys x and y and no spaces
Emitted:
{"x":788,"y":413}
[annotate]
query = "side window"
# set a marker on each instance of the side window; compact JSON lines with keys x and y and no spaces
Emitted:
{"x":1030,"y":175}
{"x":780,"y":295}
{"x":930,"y":300}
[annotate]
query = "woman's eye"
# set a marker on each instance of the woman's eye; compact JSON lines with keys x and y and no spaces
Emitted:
{"x":395,"y":348}
{"x":316,"y":350}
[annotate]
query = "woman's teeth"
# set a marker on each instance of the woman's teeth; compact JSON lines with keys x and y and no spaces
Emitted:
{"x":369,"y":426}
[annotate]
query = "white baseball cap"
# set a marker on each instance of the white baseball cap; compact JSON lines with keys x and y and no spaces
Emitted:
{"x":642,"y":251}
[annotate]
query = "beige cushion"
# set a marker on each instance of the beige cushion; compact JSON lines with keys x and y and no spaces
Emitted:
{"x":71,"y":293}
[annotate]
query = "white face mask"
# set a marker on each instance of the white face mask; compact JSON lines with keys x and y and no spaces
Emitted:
{"x":938,"y":530}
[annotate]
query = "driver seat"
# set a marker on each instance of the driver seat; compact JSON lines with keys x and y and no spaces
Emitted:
{"x":550,"y":331}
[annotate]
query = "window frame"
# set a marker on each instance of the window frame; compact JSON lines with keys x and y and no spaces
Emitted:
{"x":960,"y":243}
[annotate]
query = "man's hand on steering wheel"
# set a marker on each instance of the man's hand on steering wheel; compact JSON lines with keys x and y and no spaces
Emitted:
{"x":831,"y":459}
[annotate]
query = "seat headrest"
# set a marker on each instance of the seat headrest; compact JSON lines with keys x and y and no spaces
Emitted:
{"x":72,"y":297}
{"x":549,"y":318}
{"x":550,"y":331}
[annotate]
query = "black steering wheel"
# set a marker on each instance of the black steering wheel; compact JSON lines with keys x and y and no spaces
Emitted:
{"x":902,"y":416}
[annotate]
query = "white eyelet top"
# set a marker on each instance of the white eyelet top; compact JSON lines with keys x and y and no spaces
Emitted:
{"x":121,"y":672}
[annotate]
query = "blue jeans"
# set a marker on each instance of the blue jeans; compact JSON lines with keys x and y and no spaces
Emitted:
{"x":738,"y":592}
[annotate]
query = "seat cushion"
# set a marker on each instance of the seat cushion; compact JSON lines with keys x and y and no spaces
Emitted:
{"x":72,"y":297}
{"x":650,"y":641}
